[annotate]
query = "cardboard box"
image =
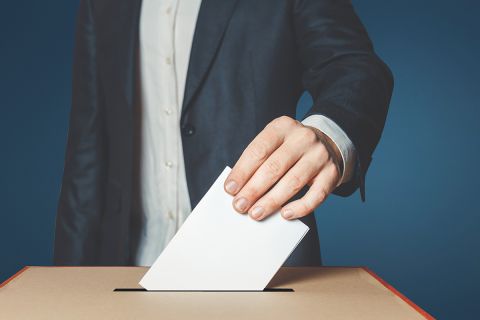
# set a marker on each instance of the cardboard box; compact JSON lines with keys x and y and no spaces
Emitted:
{"x":89,"y":293}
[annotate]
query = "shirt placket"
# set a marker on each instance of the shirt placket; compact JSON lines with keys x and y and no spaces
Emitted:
{"x":169,"y":109}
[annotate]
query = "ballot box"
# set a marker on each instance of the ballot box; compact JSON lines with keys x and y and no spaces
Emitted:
{"x":114,"y":293}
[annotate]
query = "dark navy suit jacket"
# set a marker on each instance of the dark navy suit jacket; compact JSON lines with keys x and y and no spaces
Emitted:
{"x":250,"y":62}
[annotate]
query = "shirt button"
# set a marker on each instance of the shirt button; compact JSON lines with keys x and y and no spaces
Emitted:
{"x":168,"y":164}
{"x":168,"y":112}
{"x":171,"y":215}
{"x":188,"y":130}
{"x":168,"y":60}
{"x":169,"y":10}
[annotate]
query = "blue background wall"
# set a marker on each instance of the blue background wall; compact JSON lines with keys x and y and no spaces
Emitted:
{"x":419,"y":228}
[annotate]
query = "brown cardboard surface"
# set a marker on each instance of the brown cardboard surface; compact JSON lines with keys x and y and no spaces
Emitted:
{"x":87,"y":293}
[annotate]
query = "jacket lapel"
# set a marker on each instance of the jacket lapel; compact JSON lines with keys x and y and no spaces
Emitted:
{"x":121,"y":36}
{"x":212,"y":22}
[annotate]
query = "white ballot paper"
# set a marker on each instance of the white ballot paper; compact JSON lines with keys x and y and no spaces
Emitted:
{"x":219,"y":249}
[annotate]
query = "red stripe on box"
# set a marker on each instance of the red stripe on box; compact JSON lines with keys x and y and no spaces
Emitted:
{"x":399,"y":294}
{"x":13,"y":277}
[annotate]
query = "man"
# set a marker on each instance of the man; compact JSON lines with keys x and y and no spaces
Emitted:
{"x":166,"y":93}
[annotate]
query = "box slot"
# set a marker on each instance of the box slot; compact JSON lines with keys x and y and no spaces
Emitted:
{"x":145,"y":290}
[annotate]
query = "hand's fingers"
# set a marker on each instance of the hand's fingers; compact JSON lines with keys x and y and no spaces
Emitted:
{"x":322,"y":186}
{"x":264,"y":144}
{"x":292,"y":182}
{"x":267,"y":175}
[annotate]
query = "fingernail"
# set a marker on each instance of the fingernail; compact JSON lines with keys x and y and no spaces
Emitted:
{"x":257,"y":212}
{"x":241,"y":204}
{"x":287,"y":213}
{"x":231,"y":187}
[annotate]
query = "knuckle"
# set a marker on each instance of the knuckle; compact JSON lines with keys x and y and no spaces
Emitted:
{"x":321,"y":195}
{"x":295,"y":183}
{"x":321,"y":152}
{"x":283,"y":121}
{"x":312,"y":163}
{"x":322,"y":147}
{"x":259,"y":151}
{"x":307,"y":207}
{"x":273,"y":168}
{"x":286,"y":120}
{"x":272,"y":202}
{"x":250,"y":192}
{"x":307,"y":135}
{"x":333,"y":170}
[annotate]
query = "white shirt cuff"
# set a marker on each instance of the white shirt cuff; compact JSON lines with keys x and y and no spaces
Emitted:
{"x":341,"y":140}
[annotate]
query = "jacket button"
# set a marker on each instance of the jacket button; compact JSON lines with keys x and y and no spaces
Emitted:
{"x":188,"y":130}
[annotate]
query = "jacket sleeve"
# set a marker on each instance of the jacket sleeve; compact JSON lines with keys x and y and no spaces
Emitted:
{"x":80,"y":203}
{"x":346,"y":79}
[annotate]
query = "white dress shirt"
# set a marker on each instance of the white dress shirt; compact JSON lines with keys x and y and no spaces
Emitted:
{"x":166,"y":34}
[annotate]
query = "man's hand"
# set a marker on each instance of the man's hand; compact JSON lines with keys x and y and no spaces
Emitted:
{"x":277,"y":164}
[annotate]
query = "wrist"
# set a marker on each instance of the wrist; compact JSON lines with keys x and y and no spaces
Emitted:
{"x":332,"y":149}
